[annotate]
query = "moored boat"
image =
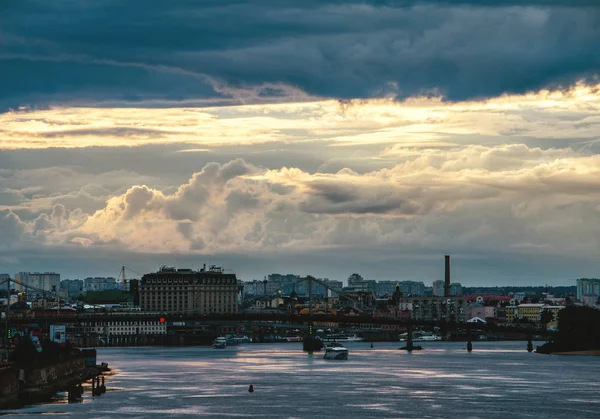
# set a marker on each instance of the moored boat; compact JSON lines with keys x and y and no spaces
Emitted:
{"x":220,"y":343}
{"x":341,"y":338}
{"x":236,"y":339}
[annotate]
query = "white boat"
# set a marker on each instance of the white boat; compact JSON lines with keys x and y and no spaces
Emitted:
{"x":341,"y":338}
{"x":418,"y":337}
{"x":428,"y":338}
{"x":220,"y":343}
{"x":235,"y":339}
{"x":335,"y":351}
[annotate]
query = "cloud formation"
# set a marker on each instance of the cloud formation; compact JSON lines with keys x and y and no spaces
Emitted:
{"x":464,"y":200}
{"x":155,"y":52}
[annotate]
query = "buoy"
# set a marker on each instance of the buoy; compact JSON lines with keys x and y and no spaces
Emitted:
{"x":251,"y":389}
{"x":371,"y":345}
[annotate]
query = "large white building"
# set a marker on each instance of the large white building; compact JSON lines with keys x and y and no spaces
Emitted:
{"x":207,"y":291}
{"x":37,"y":284}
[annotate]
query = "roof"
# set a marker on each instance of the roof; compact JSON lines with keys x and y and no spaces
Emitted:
{"x":476,"y":320}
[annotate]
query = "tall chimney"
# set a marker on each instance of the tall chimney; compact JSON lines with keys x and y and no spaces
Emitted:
{"x":447,"y":279}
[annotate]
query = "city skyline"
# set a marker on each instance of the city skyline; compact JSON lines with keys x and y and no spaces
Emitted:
{"x":319,"y":138}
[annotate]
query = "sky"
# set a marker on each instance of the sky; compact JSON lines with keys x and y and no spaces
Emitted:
{"x":314,"y":137}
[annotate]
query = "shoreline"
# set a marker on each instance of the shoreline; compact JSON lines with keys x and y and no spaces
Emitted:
{"x":593,"y":352}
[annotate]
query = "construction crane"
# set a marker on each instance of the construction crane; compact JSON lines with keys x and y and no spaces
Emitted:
{"x":122,"y":276}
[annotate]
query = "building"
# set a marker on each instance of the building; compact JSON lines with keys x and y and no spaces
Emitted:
{"x":438,"y":288}
{"x":589,"y":288}
{"x":120,"y":332}
{"x":435,"y":308}
{"x":412,"y":288}
{"x":385,"y":288}
{"x":361,"y":299}
{"x":254,"y":288}
{"x":456,"y":289}
{"x":3,"y":283}
{"x":483,"y":312}
{"x":101,"y":284}
{"x":533,"y":313}
{"x":73,"y":287}
{"x":207,"y":291}
{"x":284,"y":283}
{"x":358,"y":283}
{"x":333,"y":285}
{"x":37,"y":284}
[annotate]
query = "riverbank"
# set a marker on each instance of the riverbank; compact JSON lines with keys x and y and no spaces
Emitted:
{"x":19,"y":387}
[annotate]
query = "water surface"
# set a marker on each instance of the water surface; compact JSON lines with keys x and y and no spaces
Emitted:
{"x":496,"y":380}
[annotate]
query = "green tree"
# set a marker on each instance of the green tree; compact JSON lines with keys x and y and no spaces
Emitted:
{"x":546,"y":316}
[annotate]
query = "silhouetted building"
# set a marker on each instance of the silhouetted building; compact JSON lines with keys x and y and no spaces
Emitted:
{"x":134,"y":291}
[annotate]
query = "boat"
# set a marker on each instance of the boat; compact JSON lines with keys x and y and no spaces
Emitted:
{"x":341,"y":338}
{"x":235,"y":339}
{"x":220,"y":343}
{"x":428,"y":338}
{"x":421,"y":337}
{"x":335,"y":351}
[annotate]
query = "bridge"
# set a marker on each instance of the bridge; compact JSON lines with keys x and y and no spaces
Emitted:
{"x":275,"y":320}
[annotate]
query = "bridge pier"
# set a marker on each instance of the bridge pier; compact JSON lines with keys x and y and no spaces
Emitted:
{"x":469,"y":341}
{"x":529,"y":344}
{"x":409,"y":339}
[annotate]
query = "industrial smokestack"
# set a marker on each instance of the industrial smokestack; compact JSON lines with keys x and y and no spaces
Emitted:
{"x":447,"y":279}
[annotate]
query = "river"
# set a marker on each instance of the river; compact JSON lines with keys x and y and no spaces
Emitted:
{"x":496,"y":380}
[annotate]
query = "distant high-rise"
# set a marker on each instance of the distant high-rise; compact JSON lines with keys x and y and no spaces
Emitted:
{"x":415,"y":288}
{"x":73,"y":287}
{"x":101,"y":284}
{"x":438,"y":288}
{"x":37,"y":284}
{"x":587,"y":287}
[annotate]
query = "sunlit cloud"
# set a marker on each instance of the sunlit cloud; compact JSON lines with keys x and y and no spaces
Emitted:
{"x":561,"y":115}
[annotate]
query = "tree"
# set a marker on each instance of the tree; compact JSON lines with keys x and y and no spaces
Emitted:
{"x":577,"y":331}
{"x":546,"y":316}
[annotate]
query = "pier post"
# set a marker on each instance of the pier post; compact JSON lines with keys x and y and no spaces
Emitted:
{"x":409,"y":338}
{"x":469,"y":342}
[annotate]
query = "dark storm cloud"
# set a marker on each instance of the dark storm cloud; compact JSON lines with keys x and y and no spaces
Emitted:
{"x":154,"y":50}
